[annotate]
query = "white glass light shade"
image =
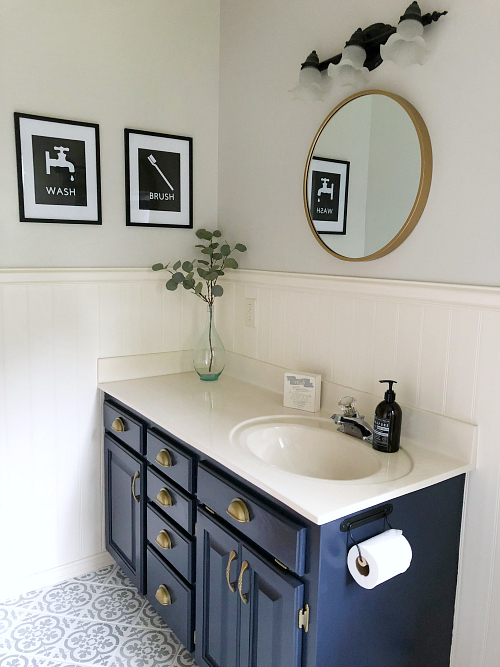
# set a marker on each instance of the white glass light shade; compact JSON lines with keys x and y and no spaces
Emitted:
{"x":312,"y":85}
{"x":410,"y":28}
{"x":346,"y":75}
{"x":355,"y":55}
{"x":350,"y":71}
{"x":407,"y":46}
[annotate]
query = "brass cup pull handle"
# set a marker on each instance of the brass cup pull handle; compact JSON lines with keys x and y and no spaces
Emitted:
{"x":232,"y":556}
{"x":163,"y":540}
{"x":118,"y":425}
{"x":243,"y":596}
{"x":134,"y":479}
{"x":238,"y":511}
{"x":164,"y":498}
{"x":163,"y":596}
{"x":164,"y":458}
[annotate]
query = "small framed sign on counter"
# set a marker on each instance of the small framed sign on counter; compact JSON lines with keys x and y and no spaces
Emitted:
{"x":302,"y":391}
{"x":58,"y":170}
{"x":158,"y":179}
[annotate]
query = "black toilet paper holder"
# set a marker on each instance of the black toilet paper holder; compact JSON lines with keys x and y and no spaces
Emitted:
{"x":361,"y":519}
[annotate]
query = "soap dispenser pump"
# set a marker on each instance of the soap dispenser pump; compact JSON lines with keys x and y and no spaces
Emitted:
{"x":387,"y":423}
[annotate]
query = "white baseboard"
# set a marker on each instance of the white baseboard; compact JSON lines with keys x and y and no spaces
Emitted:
{"x":54,"y":576}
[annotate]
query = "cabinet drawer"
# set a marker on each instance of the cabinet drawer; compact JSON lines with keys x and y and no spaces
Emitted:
{"x":171,"y":459}
{"x":176,"y":504}
{"x":172,"y":598}
{"x":177,"y":548}
{"x":124,"y":427}
{"x":274,"y":532}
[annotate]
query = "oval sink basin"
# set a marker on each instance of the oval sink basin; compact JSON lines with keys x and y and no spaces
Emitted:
{"x":313,"y":447}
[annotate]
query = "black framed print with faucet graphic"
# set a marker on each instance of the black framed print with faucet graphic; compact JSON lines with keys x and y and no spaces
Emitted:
{"x":158,"y":179}
{"x":328,"y":185}
{"x":58,"y":170}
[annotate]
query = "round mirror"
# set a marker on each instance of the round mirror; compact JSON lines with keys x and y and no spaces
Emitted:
{"x":367,"y":176}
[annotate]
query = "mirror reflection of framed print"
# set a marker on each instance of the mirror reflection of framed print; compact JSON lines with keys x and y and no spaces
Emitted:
{"x":158,"y":179}
{"x":58,"y":170}
{"x":328,"y":184}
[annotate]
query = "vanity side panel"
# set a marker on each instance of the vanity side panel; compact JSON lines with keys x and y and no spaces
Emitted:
{"x":408,"y":620}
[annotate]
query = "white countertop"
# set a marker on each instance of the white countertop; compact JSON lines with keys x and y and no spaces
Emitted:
{"x":203,"y":414}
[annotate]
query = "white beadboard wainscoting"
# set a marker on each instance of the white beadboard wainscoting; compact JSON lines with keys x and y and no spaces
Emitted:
{"x":440,"y":342}
{"x":54,"y":325}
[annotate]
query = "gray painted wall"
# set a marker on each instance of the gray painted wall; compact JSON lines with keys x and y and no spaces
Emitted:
{"x":264,"y":136}
{"x":150,"y":65}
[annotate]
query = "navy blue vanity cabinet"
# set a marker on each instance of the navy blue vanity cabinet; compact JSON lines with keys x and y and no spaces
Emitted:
{"x":247,"y":607}
{"x":125,"y":503}
{"x":262,"y":586}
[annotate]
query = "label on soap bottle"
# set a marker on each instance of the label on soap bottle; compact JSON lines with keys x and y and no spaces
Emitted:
{"x":381,"y":432}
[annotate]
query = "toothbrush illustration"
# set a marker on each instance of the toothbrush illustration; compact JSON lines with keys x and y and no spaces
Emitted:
{"x":153,"y":162}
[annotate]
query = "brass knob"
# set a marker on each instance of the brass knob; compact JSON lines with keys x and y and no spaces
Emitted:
{"x":118,"y":425}
{"x":135,"y":478}
{"x":232,"y":556}
{"x":164,"y":458}
{"x":243,"y":596}
{"x":163,"y":596}
{"x":164,"y":498}
{"x":163,"y":540}
{"x":238,"y":511}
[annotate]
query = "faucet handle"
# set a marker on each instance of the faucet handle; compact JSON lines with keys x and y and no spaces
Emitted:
{"x":348,"y":406}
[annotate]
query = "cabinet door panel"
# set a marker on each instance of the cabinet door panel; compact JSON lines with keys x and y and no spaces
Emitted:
{"x":124,"y":477}
{"x":216,"y":605}
{"x":269,"y":632}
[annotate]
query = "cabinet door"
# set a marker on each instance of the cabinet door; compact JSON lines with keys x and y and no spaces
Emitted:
{"x":216,"y":603}
{"x":124,"y":497}
{"x":270,"y":602}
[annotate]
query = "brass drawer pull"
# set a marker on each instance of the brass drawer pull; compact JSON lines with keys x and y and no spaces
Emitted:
{"x":163,"y":540}
{"x":232,"y":556}
{"x":135,"y":478}
{"x":238,"y":511}
{"x":163,"y":596}
{"x":243,"y":596}
{"x":164,"y":459}
{"x":118,"y":425}
{"x":164,"y":498}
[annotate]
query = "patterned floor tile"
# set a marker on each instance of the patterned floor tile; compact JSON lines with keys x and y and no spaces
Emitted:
{"x":98,"y":619}
{"x":98,"y":577}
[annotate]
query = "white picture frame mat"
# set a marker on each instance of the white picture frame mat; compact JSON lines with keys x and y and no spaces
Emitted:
{"x":155,"y":143}
{"x":320,"y":164}
{"x":32,"y":126}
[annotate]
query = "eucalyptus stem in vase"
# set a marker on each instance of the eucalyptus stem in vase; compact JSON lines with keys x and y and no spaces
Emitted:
{"x":201,"y":276}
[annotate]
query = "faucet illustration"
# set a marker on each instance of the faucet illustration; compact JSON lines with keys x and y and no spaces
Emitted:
{"x":324,"y":189}
{"x":60,"y":161}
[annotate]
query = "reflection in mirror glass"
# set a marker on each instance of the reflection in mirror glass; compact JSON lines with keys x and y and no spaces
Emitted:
{"x":368,"y":175}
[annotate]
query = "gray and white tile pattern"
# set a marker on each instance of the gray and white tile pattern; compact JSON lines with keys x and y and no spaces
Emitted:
{"x":96,"y":620}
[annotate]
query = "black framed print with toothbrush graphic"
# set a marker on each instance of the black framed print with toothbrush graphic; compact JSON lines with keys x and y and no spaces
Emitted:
{"x":58,"y":170}
{"x":158,"y":179}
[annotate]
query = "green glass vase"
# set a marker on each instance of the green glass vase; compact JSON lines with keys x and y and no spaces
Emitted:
{"x":209,"y":356}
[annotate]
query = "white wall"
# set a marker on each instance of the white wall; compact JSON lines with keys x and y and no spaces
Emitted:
{"x":150,"y":65}
{"x":53,"y":328}
{"x":265,"y":135}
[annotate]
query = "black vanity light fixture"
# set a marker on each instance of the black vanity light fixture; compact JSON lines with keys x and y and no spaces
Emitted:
{"x":365,"y":51}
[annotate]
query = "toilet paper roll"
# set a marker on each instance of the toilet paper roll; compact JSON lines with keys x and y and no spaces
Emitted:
{"x":385,"y":556}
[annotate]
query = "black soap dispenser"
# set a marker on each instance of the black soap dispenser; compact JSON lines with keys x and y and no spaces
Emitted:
{"x":387,"y":424}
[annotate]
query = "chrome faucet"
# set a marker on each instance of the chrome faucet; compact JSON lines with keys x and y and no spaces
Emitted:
{"x":351,"y":422}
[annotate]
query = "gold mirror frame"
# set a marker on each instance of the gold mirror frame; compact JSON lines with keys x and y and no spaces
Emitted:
{"x":423,"y":188}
